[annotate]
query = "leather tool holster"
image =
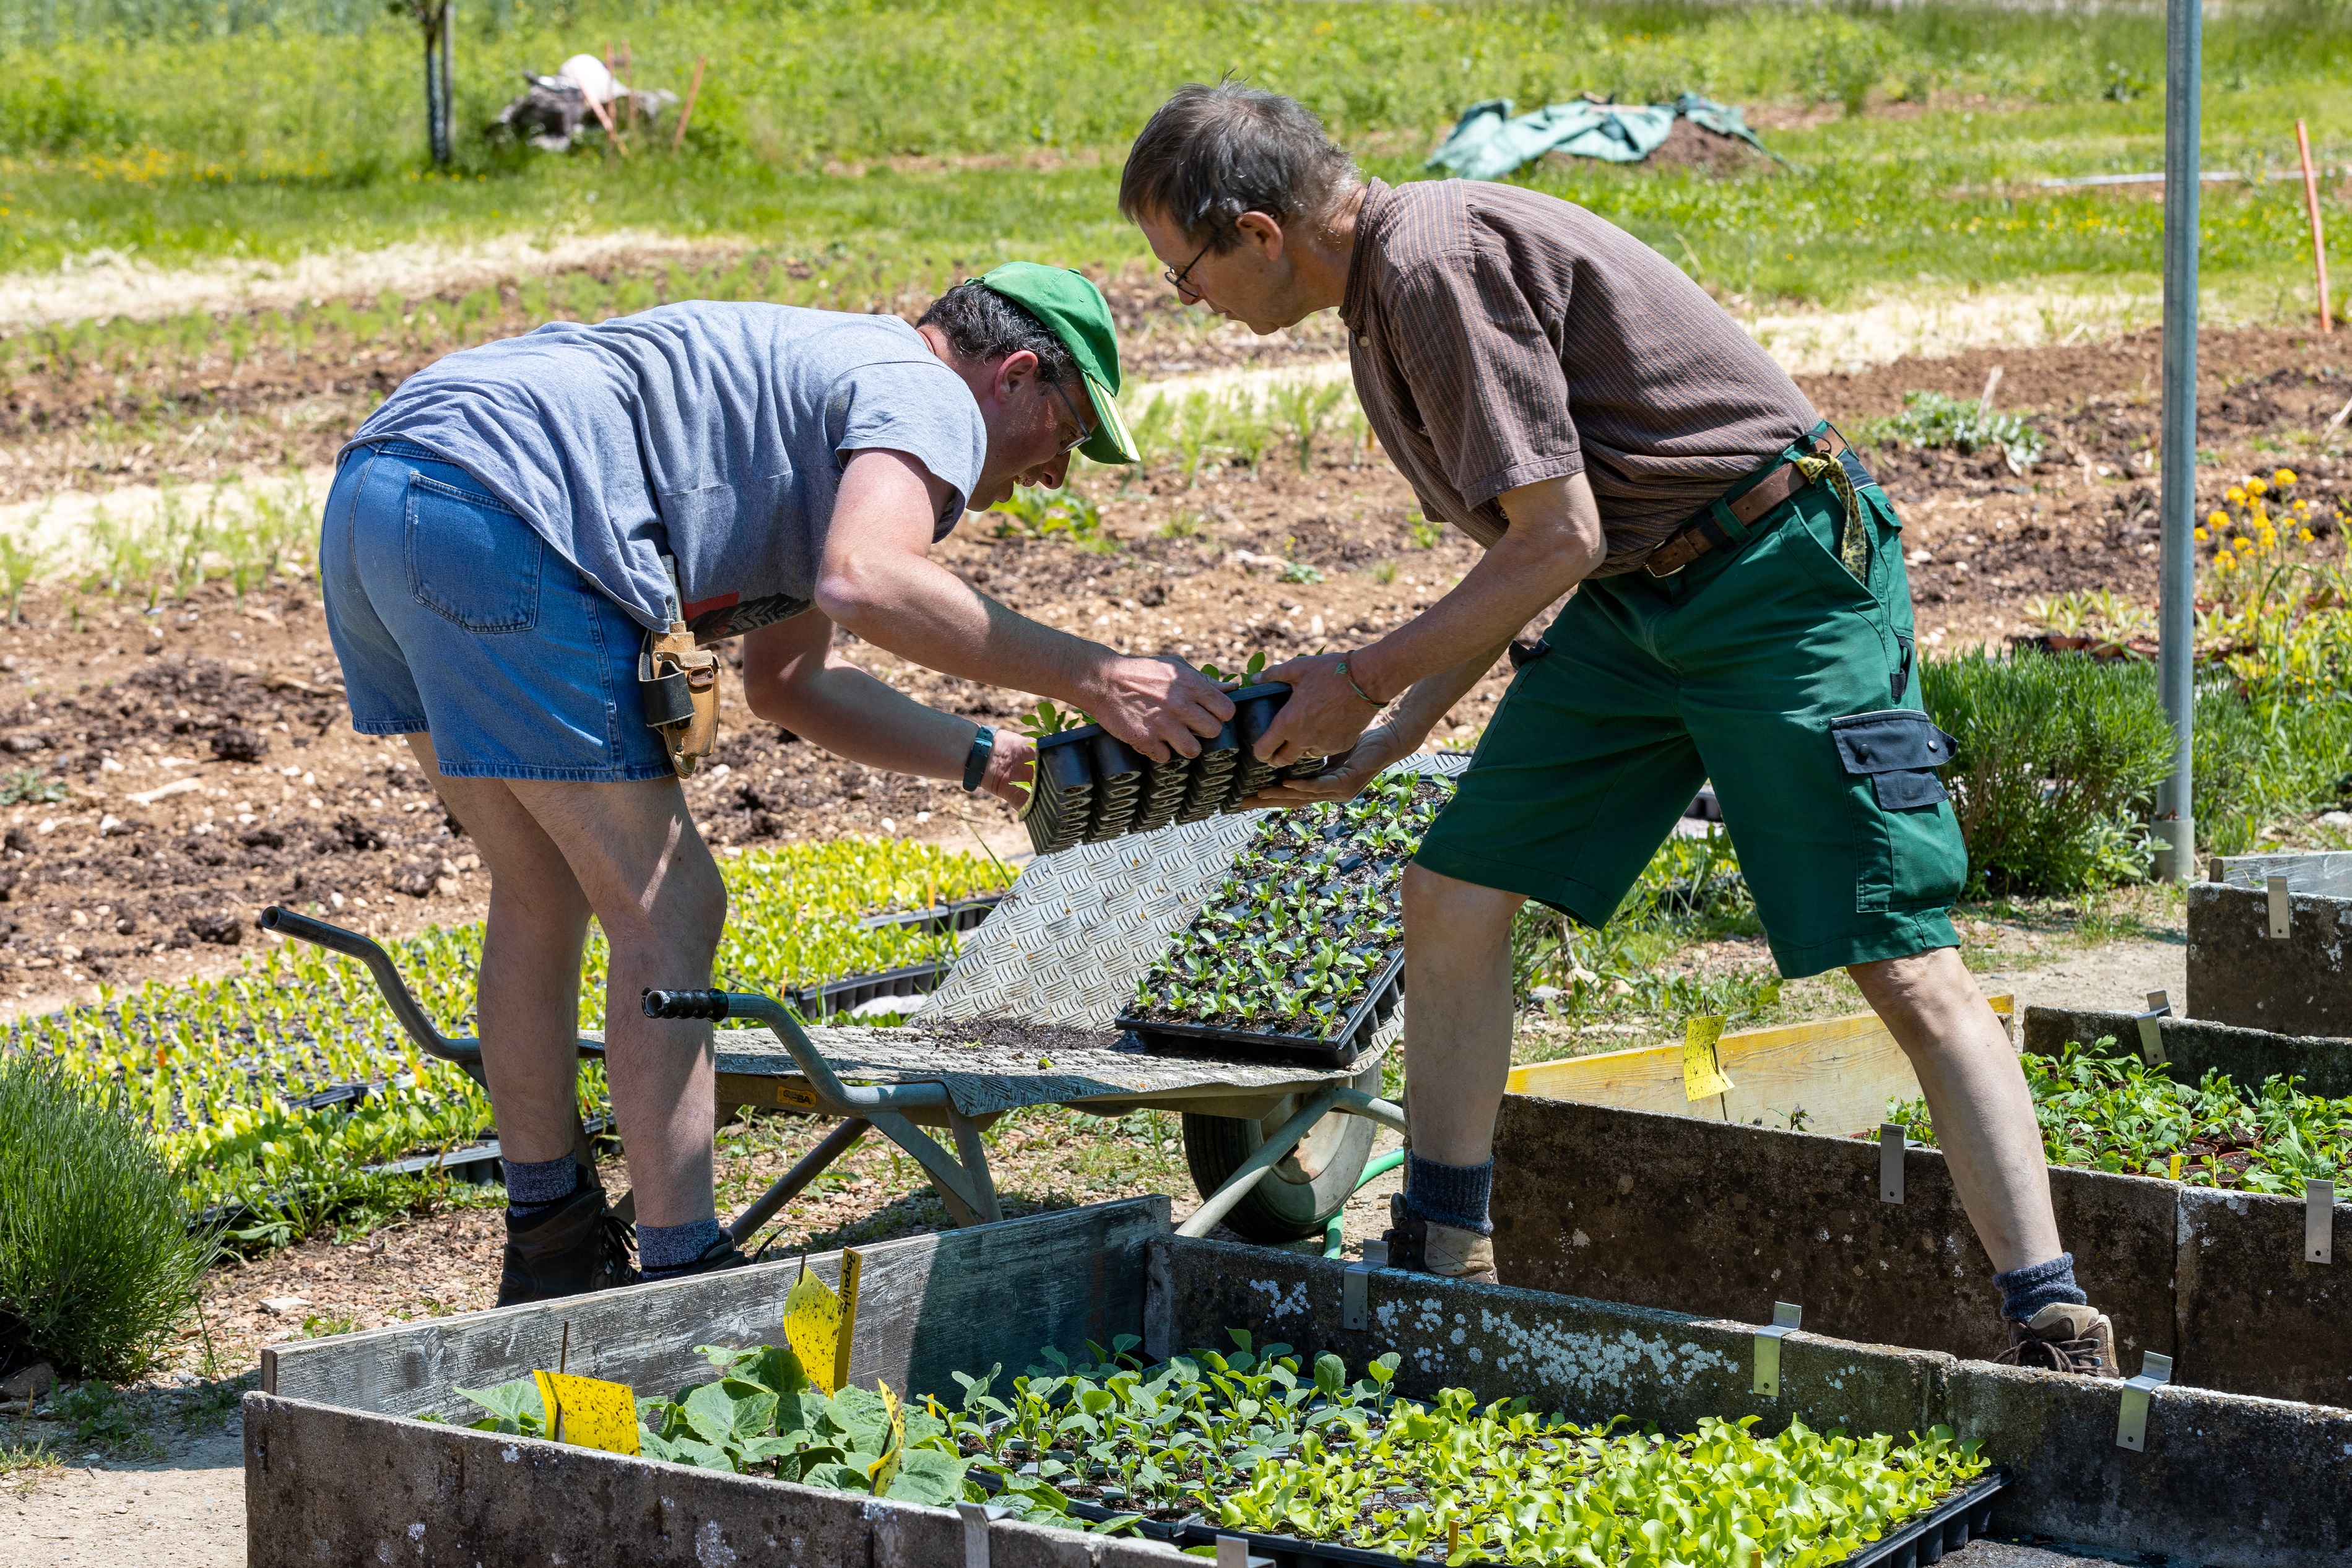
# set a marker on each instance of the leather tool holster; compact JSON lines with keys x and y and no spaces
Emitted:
{"x":680,"y":685}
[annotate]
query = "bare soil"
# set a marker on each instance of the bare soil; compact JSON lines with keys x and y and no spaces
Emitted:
{"x":115,"y":885}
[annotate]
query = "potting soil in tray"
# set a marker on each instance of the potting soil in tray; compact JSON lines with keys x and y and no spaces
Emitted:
{"x":1091,"y":784}
{"x":1300,"y":952}
{"x":1310,"y":1462}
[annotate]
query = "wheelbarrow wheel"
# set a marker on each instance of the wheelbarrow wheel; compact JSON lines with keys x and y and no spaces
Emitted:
{"x":1298,"y":1197}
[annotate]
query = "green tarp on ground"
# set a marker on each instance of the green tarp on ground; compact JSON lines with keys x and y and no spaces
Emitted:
{"x":1487,"y":143}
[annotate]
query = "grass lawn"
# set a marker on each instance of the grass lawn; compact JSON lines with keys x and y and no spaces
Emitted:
{"x":896,"y":146}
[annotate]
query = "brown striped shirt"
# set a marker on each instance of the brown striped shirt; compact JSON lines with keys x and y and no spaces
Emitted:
{"x":1500,"y":337}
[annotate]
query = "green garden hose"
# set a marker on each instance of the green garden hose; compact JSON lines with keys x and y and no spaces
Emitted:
{"x":1334,"y":1242}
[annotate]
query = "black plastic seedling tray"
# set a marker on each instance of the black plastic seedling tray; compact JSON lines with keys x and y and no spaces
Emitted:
{"x":1092,"y":786}
{"x":963,"y":915}
{"x":1944,"y":1529}
{"x":823,"y":1001}
{"x":1339,"y":1049}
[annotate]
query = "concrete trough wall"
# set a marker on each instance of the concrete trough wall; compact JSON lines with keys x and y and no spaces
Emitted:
{"x":1693,"y":1216}
{"x":2239,"y":973}
{"x":2224,"y":1480}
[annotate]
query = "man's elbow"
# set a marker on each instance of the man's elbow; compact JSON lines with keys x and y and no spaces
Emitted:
{"x":852,"y":591}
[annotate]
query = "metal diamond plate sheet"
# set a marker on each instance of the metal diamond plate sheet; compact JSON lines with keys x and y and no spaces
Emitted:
{"x":1079,"y":927}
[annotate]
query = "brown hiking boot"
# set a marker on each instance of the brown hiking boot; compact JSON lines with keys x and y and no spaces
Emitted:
{"x":576,"y":1247}
{"x":2063,"y":1337}
{"x":1447,"y":1251}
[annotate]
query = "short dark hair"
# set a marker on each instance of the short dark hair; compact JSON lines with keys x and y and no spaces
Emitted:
{"x":982,"y":325}
{"x":1211,"y":153}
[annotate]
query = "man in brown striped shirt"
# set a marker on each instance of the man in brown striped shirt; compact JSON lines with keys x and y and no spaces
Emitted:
{"x":1568,"y":398}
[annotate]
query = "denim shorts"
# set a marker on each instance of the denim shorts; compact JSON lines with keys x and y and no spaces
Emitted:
{"x":452,"y":617}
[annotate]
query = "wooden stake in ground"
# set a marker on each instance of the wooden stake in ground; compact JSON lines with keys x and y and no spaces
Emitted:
{"x":2318,"y":234}
{"x":677,"y":137}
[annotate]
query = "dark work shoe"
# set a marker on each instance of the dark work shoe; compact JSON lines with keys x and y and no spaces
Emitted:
{"x":720,"y":1254}
{"x":2063,"y":1337}
{"x":572,"y":1248}
{"x":1426,"y":1247}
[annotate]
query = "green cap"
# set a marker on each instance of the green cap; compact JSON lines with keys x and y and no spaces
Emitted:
{"x":1074,"y":311}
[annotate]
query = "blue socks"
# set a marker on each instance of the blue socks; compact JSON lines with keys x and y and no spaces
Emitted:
{"x":534,"y":1187}
{"x":662,"y":1249}
{"x":1450,"y":1195}
{"x":2025,"y":1292}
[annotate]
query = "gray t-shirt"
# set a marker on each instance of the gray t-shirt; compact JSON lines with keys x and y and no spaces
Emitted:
{"x":714,"y":433}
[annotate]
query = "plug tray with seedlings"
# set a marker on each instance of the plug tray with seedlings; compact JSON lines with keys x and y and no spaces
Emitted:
{"x":1091,"y":785}
{"x":1300,"y":952}
{"x":1316,"y":1469}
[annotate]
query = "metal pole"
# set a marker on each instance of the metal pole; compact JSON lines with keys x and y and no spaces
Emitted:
{"x":2174,"y":826}
{"x":448,"y":80}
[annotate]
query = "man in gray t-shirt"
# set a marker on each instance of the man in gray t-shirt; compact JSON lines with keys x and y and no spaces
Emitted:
{"x":523,"y":530}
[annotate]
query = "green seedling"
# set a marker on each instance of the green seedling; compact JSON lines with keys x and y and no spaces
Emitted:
{"x":2113,"y":1113}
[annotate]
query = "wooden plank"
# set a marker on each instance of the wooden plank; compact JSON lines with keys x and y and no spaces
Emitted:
{"x":927,"y":1305}
{"x":1840,"y":1071}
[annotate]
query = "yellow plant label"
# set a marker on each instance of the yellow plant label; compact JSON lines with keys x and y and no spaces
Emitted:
{"x":1702,"y":1074}
{"x":885,"y":1470}
{"x":818,"y":1323}
{"x":589,"y":1414}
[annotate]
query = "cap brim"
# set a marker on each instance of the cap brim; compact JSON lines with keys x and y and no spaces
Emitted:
{"x":1111,"y":442}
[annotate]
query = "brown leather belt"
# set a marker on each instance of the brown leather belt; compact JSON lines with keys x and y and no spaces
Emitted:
{"x":1704,"y":533}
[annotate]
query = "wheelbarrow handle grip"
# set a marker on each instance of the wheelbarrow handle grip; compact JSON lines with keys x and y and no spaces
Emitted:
{"x":466,"y":1053}
{"x":712,"y":1005}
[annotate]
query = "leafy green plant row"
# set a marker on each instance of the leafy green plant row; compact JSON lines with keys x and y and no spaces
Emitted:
{"x":2113,"y":1113}
{"x":1291,"y":939}
{"x":1252,"y":1440}
{"x":216,"y":1069}
{"x":1933,"y":419}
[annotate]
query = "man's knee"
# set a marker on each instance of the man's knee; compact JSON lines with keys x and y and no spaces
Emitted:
{"x":1437,"y":904}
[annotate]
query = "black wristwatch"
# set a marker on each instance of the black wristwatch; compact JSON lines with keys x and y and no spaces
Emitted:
{"x":975,"y":766}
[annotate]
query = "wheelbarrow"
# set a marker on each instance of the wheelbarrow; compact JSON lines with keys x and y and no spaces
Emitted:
{"x":1275,"y":1148}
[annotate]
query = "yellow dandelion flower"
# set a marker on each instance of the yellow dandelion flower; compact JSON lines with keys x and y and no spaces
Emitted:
{"x":2283,"y":478}
{"x":2200,"y":533}
{"x":2254,"y":487}
{"x":2217,"y":518}
{"x":2235,"y":492}
{"x":2243,"y":544}
{"x":2306,"y":535}
{"x":2224,"y":562}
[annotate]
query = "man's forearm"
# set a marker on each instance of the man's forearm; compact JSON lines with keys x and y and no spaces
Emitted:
{"x":920,"y":611}
{"x":1470,"y":626}
{"x":1432,"y":696}
{"x":848,"y":713}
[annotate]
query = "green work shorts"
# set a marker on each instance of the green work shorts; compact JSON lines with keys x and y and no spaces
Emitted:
{"x":1775,"y":673}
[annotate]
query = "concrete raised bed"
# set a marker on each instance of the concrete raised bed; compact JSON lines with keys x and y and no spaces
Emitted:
{"x":336,"y":1472}
{"x":1703,"y":1217}
{"x":2241,"y":971}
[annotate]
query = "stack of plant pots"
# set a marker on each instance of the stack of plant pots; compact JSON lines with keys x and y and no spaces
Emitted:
{"x":1092,"y":786}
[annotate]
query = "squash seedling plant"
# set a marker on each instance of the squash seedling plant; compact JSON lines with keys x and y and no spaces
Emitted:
{"x":1289,"y":942}
{"x":1250,"y":1440}
{"x":2113,"y":1113}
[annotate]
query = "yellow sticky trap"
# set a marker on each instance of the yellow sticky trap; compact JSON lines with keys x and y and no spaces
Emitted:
{"x":818,"y":1322}
{"x":885,"y":1470}
{"x":1702,"y":1074}
{"x":589,"y":1414}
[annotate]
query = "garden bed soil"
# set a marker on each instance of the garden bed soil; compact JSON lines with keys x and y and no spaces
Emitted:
{"x":1188,"y":574}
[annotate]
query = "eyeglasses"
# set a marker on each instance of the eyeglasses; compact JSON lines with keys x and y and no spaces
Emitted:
{"x":1176,"y":278}
{"x":1084,"y":433}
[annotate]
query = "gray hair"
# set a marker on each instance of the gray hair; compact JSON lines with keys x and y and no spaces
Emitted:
{"x":1211,"y":153}
{"x":983,"y":325}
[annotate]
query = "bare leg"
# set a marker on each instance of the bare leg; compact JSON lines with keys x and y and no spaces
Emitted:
{"x":1457,"y":1013}
{"x":1977,"y":1097}
{"x":629,"y":854}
